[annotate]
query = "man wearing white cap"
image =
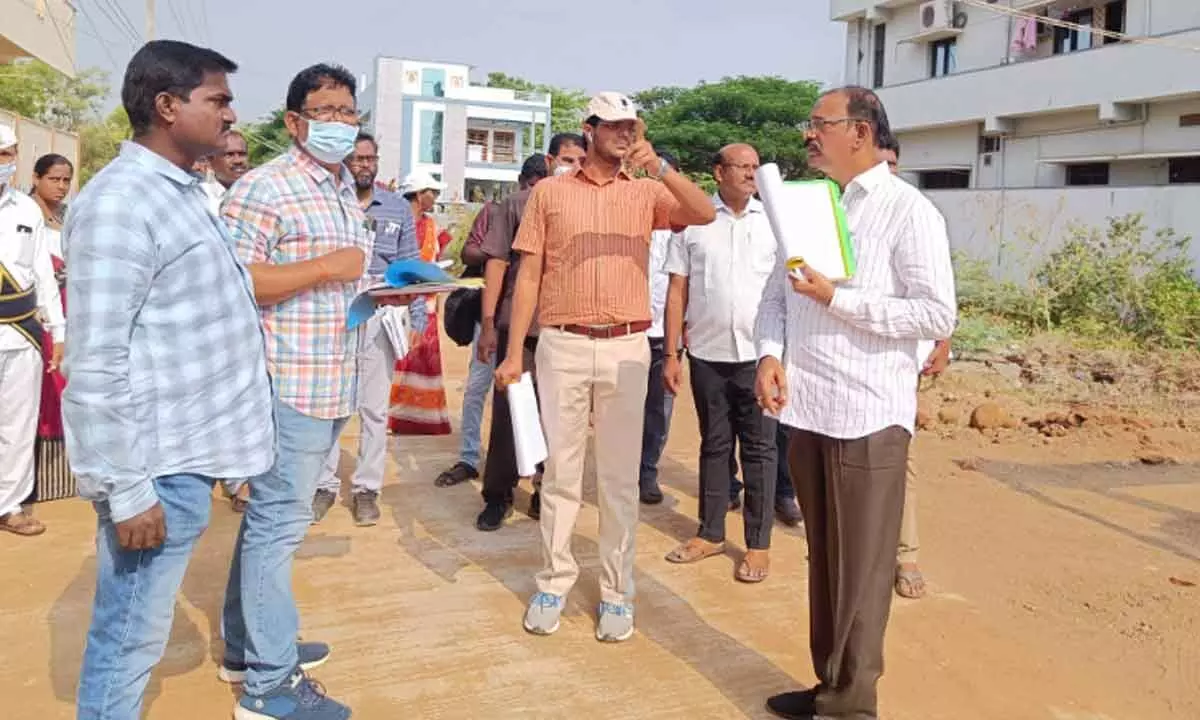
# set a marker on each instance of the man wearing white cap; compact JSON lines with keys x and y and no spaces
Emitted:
{"x":585,"y":245}
{"x":28,"y":295}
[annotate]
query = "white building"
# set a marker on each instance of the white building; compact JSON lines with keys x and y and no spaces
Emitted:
{"x":427,"y":116}
{"x":1018,"y":128}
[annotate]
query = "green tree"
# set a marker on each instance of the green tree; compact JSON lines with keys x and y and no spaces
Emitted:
{"x":99,"y":142}
{"x":693,"y":123}
{"x":267,"y":138}
{"x":38,"y":91}
{"x":566,"y":105}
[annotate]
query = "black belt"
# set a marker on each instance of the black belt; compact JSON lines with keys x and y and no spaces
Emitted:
{"x":19,"y":308}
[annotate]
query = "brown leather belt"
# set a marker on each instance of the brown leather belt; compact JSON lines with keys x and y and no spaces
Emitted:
{"x":606,"y":332}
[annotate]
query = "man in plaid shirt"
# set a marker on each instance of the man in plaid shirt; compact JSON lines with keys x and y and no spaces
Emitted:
{"x":297,"y":225}
{"x":168,"y":388}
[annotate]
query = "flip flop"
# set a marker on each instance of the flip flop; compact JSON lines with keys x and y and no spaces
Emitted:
{"x":910,"y":584}
{"x":747,"y":574}
{"x":694,"y":550}
{"x":20,"y":523}
{"x":460,"y":473}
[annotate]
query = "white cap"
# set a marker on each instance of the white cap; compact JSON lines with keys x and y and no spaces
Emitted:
{"x":8,"y":137}
{"x":611,"y":107}
{"x":418,"y":181}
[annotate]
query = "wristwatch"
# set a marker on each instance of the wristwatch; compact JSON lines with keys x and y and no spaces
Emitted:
{"x":663,"y":167}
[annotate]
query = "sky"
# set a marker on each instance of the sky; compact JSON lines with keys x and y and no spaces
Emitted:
{"x":624,"y":45}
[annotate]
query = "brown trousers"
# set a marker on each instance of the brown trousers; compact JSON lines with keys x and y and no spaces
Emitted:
{"x":852,"y":495}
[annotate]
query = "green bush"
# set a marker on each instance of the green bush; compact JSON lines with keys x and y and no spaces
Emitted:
{"x":1120,"y":285}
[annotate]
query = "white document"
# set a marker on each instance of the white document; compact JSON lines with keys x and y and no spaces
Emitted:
{"x":528,"y":439}
{"x":809,"y":223}
{"x":397,"y":325}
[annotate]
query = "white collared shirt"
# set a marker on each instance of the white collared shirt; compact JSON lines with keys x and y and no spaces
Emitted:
{"x":727,"y":263}
{"x":852,"y":366}
{"x":215,"y":192}
{"x":24,"y":252}
{"x":660,"y":280}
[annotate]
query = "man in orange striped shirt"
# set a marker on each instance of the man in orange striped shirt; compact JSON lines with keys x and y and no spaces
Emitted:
{"x":585,"y":244}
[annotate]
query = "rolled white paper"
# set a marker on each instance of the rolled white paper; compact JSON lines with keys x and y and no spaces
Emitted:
{"x":528,"y":439}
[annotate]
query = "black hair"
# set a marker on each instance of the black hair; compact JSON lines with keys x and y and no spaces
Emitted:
{"x":166,"y":66}
{"x":535,"y":167}
{"x":45,"y":162}
{"x":888,"y":141}
{"x":314,"y":78}
{"x":670,"y":158}
{"x":863,"y":104}
{"x":364,"y":136}
{"x":557,"y":142}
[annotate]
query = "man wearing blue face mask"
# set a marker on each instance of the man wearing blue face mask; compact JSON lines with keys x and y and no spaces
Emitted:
{"x":297,"y":225}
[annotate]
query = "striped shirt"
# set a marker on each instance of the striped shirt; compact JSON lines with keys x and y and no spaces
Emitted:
{"x":165,"y":362}
{"x":595,"y":241}
{"x":852,"y":366}
{"x":290,"y":210}
{"x":391,"y":219}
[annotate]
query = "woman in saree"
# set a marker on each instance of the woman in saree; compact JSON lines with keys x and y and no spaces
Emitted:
{"x":52,"y":175}
{"x":418,"y":399}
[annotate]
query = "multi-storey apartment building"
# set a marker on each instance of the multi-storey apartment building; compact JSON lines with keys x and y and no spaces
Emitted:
{"x":1023,"y":117}
{"x":427,"y":116}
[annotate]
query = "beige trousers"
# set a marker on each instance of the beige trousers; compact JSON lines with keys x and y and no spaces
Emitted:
{"x":910,"y":544}
{"x":575,"y":374}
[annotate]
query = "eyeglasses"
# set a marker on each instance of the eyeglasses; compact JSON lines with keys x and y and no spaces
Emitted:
{"x":744,"y":167}
{"x":820,"y":124}
{"x":325,"y":113}
{"x":363,"y":159}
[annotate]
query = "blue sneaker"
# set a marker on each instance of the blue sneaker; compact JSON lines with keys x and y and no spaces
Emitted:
{"x":312,"y":655}
{"x":544,"y":611}
{"x":297,"y":699}
{"x":615,"y":623}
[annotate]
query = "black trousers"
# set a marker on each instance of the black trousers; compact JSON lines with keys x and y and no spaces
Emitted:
{"x":852,"y":495}
{"x":728,"y":410}
{"x":500,"y":476}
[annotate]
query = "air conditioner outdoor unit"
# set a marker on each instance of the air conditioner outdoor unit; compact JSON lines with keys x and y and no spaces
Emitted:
{"x":937,"y":15}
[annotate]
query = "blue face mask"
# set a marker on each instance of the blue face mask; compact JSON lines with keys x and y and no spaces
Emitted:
{"x":330,"y":142}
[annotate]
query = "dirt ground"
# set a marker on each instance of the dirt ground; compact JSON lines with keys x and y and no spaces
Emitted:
{"x":1060,"y":537}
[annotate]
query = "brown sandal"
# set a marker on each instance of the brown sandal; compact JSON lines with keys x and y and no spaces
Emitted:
{"x":694,"y":550}
{"x":747,"y":573}
{"x":460,"y":473}
{"x":21,"y":523}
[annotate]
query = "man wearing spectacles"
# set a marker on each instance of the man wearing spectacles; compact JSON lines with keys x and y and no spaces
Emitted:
{"x":718,"y":272}
{"x":297,"y":225}
{"x":395,"y":238}
{"x":849,"y":395}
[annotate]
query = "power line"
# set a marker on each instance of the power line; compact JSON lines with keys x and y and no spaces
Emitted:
{"x":183,"y":31}
{"x":130,"y":28}
{"x":1066,"y":24}
{"x":104,"y":43}
{"x":122,"y":29}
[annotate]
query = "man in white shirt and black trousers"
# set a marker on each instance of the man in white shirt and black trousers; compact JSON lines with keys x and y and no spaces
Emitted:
{"x":839,"y":366}
{"x":718,"y":273}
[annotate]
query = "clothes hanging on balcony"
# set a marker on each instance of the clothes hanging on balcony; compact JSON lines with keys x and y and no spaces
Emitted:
{"x":1025,"y":36}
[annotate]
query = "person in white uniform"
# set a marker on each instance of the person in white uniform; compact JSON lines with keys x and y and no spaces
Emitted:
{"x":28,"y":295}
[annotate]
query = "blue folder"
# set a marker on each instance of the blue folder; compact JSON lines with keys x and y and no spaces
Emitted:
{"x":400,"y":273}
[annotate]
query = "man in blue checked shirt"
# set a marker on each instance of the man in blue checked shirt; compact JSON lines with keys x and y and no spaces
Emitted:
{"x":166,"y":365}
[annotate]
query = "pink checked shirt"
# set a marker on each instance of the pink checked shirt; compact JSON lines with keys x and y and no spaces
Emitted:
{"x":288,"y":210}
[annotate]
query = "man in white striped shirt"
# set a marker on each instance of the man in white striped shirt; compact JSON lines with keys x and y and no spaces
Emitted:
{"x":839,"y":366}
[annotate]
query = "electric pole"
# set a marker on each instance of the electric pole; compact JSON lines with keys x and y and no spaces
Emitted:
{"x":149,"y":20}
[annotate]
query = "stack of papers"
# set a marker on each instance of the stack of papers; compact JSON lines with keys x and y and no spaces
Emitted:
{"x":405,"y":277}
{"x":809,"y":222}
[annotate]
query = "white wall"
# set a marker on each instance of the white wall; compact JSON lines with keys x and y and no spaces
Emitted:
{"x":1013,"y":229}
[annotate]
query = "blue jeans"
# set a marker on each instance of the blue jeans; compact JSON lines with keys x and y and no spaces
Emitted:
{"x":784,"y":490}
{"x":660,"y":405}
{"x":479,"y":384}
{"x":260,"y":622}
{"x":135,"y":601}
